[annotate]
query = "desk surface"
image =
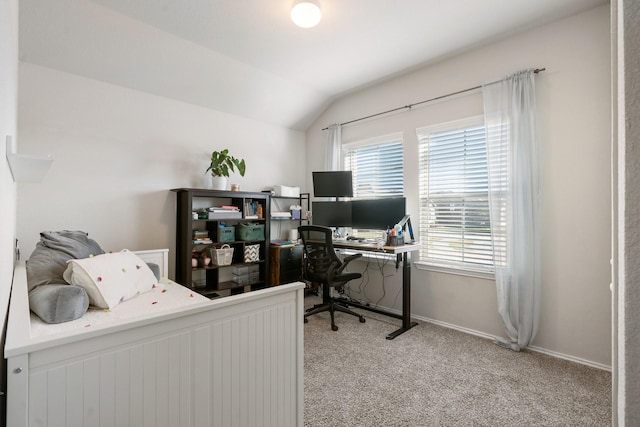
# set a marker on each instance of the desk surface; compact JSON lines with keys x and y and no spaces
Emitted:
{"x":372,"y":247}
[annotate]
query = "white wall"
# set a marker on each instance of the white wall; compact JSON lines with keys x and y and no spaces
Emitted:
{"x":8,"y":126}
{"x":573,"y":96}
{"x":118,"y":152}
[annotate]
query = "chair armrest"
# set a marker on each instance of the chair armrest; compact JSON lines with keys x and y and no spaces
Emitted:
{"x":350,"y":258}
{"x":347,"y":260}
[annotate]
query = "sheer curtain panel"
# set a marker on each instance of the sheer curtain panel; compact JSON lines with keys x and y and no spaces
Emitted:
{"x":509,"y":107}
{"x":333,"y":148}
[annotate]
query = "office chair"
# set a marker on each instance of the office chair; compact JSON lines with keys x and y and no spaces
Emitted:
{"x":322,"y":265}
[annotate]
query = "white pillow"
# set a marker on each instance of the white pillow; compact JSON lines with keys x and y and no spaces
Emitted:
{"x":110,"y":278}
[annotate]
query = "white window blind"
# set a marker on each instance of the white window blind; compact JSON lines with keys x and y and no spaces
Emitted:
{"x":377,"y":167}
{"x":454,"y":207}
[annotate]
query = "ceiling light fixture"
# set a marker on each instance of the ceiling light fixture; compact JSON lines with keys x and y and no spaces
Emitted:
{"x":306,"y":13}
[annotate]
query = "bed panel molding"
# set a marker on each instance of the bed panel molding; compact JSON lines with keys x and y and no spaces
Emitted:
{"x":230,"y":361}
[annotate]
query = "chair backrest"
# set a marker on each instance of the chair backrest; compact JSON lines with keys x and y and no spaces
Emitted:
{"x":320,"y":259}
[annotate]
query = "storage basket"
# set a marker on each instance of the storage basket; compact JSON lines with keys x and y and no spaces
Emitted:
{"x":222,"y":255}
{"x":250,"y":232}
{"x":252,"y":253}
{"x":226,"y":234}
{"x":246,"y":279}
{"x":240,"y":270}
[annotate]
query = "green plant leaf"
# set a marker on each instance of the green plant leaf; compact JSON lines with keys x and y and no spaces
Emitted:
{"x":222,"y":164}
{"x":242,"y":167}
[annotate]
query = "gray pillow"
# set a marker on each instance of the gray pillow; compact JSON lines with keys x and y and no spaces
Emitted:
{"x":155,"y":268}
{"x":58,"y":303}
{"x":50,"y":297}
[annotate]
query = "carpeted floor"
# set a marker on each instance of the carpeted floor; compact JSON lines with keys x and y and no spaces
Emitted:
{"x":435,"y":376}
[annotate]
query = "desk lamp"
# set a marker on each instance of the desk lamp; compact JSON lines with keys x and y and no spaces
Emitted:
{"x":406,"y":221}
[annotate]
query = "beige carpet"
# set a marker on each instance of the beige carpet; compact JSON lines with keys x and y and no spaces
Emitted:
{"x":434,"y":376}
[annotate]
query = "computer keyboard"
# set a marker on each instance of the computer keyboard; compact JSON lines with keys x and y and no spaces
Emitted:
{"x":356,"y":242}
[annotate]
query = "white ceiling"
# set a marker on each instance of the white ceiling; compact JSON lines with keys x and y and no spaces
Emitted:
{"x":246,"y":57}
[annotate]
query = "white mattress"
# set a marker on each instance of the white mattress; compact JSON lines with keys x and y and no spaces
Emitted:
{"x":166,"y":296}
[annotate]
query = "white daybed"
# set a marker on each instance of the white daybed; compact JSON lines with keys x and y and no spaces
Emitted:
{"x":234,"y":361}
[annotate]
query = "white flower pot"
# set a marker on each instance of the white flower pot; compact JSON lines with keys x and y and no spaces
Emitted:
{"x":218,"y":182}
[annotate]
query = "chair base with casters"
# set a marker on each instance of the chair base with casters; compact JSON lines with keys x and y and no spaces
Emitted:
{"x":322,"y":265}
{"x":331,"y":306}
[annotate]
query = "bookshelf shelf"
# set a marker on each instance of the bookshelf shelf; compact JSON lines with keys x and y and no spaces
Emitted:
{"x":200,"y":215}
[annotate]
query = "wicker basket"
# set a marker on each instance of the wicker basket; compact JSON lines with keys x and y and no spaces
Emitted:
{"x":222,"y":255}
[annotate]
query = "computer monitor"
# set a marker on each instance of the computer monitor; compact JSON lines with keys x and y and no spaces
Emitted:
{"x":377,"y":214}
{"x":332,"y":184}
{"x":331,"y":214}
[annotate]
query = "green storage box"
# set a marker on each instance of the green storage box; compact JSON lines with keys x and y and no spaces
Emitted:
{"x":249,"y":232}
{"x":226,"y":234}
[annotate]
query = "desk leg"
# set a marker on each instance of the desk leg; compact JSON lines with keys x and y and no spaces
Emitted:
{"x":406,"y":298}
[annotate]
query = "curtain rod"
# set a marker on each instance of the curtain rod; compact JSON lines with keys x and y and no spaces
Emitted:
{"x":409,"y":106}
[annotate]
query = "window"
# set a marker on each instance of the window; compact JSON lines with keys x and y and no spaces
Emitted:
{"x":377,"y":167}
{"x":454,"y":197}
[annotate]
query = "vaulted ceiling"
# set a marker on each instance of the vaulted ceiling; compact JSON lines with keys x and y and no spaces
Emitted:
{"x":246,"y":57}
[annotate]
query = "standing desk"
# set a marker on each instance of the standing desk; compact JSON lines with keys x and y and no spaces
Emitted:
{"x":401,"y":252}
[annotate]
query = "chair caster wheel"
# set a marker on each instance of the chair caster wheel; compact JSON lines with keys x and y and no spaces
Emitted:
{"x":334,"y":328}
{"x":306,"y":320}
{"x":362,"y":320}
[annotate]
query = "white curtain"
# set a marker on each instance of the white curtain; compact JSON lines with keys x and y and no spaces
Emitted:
{"x":333,"y":148}
{"x":509,"y":107}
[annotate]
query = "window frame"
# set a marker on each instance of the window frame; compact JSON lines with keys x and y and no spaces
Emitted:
{"x":454,"y":267}
{"x":376,"y":141}
{"x":392,"y":138}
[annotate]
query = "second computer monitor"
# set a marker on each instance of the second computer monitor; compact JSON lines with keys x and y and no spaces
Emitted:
{"x":371,"y":214}
{"x":377,"y":214}
{"x":331,"y":214}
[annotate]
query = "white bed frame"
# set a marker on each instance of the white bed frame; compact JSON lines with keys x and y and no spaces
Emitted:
{"x":234,"y":361}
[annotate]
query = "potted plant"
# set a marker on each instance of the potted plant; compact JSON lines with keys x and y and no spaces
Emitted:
{"x":222,"y":163}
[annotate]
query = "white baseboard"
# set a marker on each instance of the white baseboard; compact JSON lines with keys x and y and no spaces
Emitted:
{"x":492,"y":337}
{"x":570,"y":358}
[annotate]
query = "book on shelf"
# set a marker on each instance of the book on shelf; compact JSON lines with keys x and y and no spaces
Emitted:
{"x":253,"y":210}
{"x":223,"y":209}
{"x":283,"y":243}
{"x":226,"y":214}
{"x":202,"y":241}
{"x":281,"y":214}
